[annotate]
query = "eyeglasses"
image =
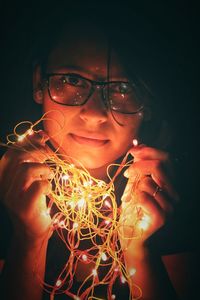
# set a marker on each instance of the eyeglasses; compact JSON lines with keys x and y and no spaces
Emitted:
{"x":74,"y":90}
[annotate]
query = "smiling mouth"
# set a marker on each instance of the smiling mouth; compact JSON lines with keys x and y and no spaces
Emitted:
{"x":88,"y":141}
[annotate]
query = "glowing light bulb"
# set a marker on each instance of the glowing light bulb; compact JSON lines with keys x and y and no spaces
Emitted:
{"x":62,"y":223}
{"x":88,"y":183}
{"x":30,"y":132}
{"x":132,"y":271}
{"x":116,"y":269}
{"x":113,"y":296}
{"x":123,"y":279}
{"x":58,"y":282}
{"x":65,"y":177}
{"x":76,"y":298}
{"x":71,"y":204}
{"x":81,"y":202}
{"x":107,"y":203}
{"x":144,"y":222}
{"x":55,"y":221}
{"x":140,"y":114}
{"x":94,"y":272}
{"x":84,"y":257}
{"x":103,"y":256}
{"x":100,"y":183}
{"x":135,"y":142}
{"x":21,"y":138}
{"x":75,"y":225}
{"x":105,"y":196}
{"x":107,"y":222}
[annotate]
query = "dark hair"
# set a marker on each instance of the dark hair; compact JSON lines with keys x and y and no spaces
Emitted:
{"x":130,"y":36}
{"x":129,"y":41}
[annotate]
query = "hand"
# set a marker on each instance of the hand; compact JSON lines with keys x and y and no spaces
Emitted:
{"x":24,"y":184}
{"x":154,"y":196}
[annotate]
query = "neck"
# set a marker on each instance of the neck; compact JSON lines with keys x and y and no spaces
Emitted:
{"x":100,"y":173}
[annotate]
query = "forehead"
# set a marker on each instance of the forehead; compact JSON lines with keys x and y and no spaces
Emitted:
{"x":89,"y":53}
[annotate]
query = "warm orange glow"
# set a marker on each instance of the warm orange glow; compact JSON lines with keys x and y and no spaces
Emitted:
{"x":87,"y":210}
{"x":145,"y":222}
{"x":132,"y":271}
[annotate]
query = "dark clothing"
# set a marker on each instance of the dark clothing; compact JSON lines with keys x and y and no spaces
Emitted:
{"x":166,"y":241}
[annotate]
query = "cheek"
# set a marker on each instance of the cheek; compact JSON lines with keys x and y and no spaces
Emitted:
{"x":125,"y":134}
{"x":57,"y":118}
{"x":124,"y":142}
{"x":54,"y":122}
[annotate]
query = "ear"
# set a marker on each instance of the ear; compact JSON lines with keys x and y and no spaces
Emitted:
{"x":37,"y":85}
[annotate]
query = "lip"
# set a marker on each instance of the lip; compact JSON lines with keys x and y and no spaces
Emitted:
{"x":89,"y":140}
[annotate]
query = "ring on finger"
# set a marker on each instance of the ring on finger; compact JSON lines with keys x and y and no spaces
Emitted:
{"x":157,"y":190}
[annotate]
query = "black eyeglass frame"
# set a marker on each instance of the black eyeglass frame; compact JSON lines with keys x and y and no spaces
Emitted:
{"x":94,"y":84}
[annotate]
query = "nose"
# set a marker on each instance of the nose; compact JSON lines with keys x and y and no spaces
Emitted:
{"x":94,"y":110}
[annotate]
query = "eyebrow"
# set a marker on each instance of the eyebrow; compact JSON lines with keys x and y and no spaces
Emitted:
{"x":69,"y":68}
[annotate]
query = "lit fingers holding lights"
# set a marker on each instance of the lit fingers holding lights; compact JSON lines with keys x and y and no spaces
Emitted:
{"x":26,"y":182}
{"x":158,"y":207}
{"x":151,"y":174}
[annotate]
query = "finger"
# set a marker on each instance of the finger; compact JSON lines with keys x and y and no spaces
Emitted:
{"x":149,"y":153}
{"x":35,"y":140}
{"x":153,"y":168}
{"x":148,"y":186}
{"x":39,"y":137}
{"x":38,"y":188}
{"x":12,"y":161}
{"x":23,"y":178}
{"x":152,"y":208}
{"x":146,"y":153}
{"x":43,"y":136}
{"x":28,"y":172}
{"x":31,"y":151}
{"x":35,"y":201}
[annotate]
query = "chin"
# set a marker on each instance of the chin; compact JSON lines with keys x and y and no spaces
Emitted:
{"x":89,"y":163}
{"x":90,"y":160}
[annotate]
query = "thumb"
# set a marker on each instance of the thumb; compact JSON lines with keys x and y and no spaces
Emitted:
{"x":35,"y":192}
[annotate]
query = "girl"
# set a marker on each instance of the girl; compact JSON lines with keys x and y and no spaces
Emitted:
{"x":96,"y":108}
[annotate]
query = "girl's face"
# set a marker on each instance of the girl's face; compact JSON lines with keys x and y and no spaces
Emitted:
{"x":88,"y":133}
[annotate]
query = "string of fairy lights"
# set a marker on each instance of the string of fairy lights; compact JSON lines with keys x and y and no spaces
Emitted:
{"x":87,"y":220}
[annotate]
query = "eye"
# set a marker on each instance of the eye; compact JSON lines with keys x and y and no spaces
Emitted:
{"x":73,"y":80}
{"x":124,"y":88}
{"x":121,"y":88}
